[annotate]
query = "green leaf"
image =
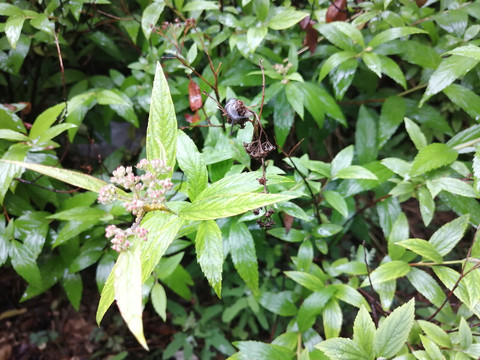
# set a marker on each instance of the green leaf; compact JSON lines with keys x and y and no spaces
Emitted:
{"x":416,"y":134}
{"x":226,"y":205}
{"x":280,"y":303}
{"x":393,"y":111}
{"x":260,"y":9}
{"x":128,"y":291}
{"x":333,"y":61}
{"x":340,"y":38}
{"x":454,"y":186}
{"x":337,"y":202}
{"x":313,"y":306}
{"x":259,"y":350}
{"x":342,"y":77}
{"x":233,"y":184}
{"x":355,"y":172}
{"x":426,"y":203}
{"x":341,"y":349}
{"x":464,"y":334}
{"x":12,"y":135}
{"x":162,"y":123}
{"x":200,"y":5}
{"x":42,"y":23}
{"x":45,"y":120}
{"x":436,"y":333}
{"x":469,"y":50}
{"x":389,"y":271}
{"x":462,"y":206}
{"x":364,"y":330}
{"x":192,"y":164}
{"x":283,"y":118}
{"x":445,"y":238}
{"x":398,"y":166}
{"x":393,"y":332}
{"x":393,"y":33}
{"x":255,"y":36}
{"x":242,"y":249}
{"x":398,"y":233}
{"x":476,"y":169}
{"x":327,"y":230}
{"x":72,"y":283}
{"x":332,"y":319}
{"x":71,"y":177}
{"x":431,"y":348}
{"x":432,"y":157}
{"x":447,"y":72}
{"x":426,"y":285}
{"x":159,"y":300}
{"x":422,"y":248}
{"x":209,"y":249}
{"x":25,"y":263}
{"x":342,"y":160}
{"x":311,"y":94}
{"x":295,"y":97}
{"x":307,"y":280}
{"x":449,"y":278}
{"x":293,"y":235}
{"x":285,"y":19}
{"x":373,"y":62}
{"x":150,"y":17}
{"x":349,"y":295}
{"x":465,"y":98}
{"x":352,"y":32}
{"x":13,"y":29}
{"x":392,"y":70}
{"x":10,"y":170}
{"x":366,"y":136}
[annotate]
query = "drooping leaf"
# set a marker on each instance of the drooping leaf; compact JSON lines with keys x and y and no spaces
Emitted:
{"x":285,"y":18}
{"x":280,"y":303}
{"x":436,"y":333}
{"x":159,"y":300}
{"x":422,"y":248}
{"x":337,"y":202}
{"x":393,"y":33}
{"x":255,"y":36}
{"x":426,"y":285}
{"x":242,"y":249}
{"x":465,"y":98}
{"x":366,"y":136}
{"x":332,"y":319}
{"x":283,"y":117}
{"x":128,"y":291}
{"x":209,"y":249}
{"x":393,"y":111}
{"x":389,"y":271}
{"x":426,"y":203}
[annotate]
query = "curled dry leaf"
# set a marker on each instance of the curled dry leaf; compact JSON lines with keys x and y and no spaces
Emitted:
{"x":337,"y":11}
{"x":194,"y":96}
{"x":192,"y":118}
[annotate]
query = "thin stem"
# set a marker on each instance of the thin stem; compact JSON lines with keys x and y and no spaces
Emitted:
{"x":466,"y":144}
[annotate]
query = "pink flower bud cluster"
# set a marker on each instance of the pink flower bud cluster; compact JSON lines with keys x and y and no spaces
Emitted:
{"x":120,"y":241}
{"x":146,"y":189}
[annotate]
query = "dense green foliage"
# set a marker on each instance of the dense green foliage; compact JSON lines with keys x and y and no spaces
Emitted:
{"x":362,"y":241}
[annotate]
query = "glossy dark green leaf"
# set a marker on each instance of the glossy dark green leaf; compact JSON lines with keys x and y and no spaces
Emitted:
{"x":285,"y":18}
{"x":333,"y":61}
{"x":432,"y":157}
{"x":283,"y":116}
{"x":312,"y":306}
{"x":332,"y":319}
{"x":260,"y":8}
{"x":426,"y":204}
{"x":393,"y":111}
{"x":392,"y":70}
{"x":462,"y":206}
{"x":305,"y":255}
{"x":8,"y":171}
{"x":242,"y":249}
{"x":393,"y":33}
{"x":393,"y":332}
{"x":366,"y":136}
{"x":447,"y":72}
{"x":416,"y":134}
{"x":310,"y":95}
{"x":13,"y":29}
{"x":159,"y":300}
{"x":342,"y":76}
{"x":339,"y":38}
{"x":454,"y":21}
{"x":209,"y":249}
{"x":294,"y":96}
{"x":373,"y":62}
{"x":25,"y":264}
{"x":255,"y":36}
{"x":468,"y":50}
{"x":342,"y":160}
{"x":327,"y":230}
{"x":388,"y":271}
{"x":465,"y":98}
{"x":200,"y":5}
{"x":293,"y":235}
{"x":73,"y":285}
{"x":447,"y":237}
{"x":426,"y":285}
{"x":337,"y":202}
{"x":12,"y":61}
{"x":280,"y":303}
